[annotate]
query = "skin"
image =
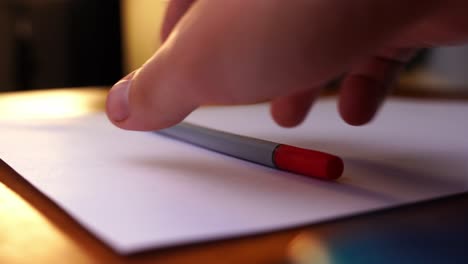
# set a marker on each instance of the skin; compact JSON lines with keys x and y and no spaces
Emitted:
{"x":240,"y":52}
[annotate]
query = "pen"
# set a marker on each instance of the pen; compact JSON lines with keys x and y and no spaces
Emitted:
{"x":279,"y":156}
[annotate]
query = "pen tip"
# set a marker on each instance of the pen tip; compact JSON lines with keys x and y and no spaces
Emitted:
{"x":335,"y":168}
{"x":308,"y":162}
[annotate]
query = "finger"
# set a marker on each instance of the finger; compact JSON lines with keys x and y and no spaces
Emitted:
{"x":174,"y":12}
{"x":253,"y":62}
{"x":365,"y":87}
{"x":290,"y":111}
{"x":145,"y":101}
{"x":118,"y":105}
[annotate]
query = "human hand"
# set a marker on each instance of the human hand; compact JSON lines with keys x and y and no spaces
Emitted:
{"x":241,"y":52}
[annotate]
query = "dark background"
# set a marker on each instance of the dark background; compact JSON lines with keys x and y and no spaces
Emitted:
{"x":71,"y":43}
{"x":59,"y":43}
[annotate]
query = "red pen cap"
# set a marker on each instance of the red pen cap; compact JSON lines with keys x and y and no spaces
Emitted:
{"x":308,"y":162}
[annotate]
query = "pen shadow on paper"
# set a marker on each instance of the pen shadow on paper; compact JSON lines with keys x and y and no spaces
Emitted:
{"x":409,"y":169}
{"x":420,"y":171}
{"x":363,"y":177}
{"x":210,"y":173}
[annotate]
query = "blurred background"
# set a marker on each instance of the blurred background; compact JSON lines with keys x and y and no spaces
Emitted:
{"x":70,"y":43}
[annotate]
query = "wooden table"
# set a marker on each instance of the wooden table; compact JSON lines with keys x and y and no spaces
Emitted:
{"x":33,"y":230}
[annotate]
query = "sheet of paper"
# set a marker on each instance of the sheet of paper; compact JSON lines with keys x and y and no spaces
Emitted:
{"x":139,"y":190}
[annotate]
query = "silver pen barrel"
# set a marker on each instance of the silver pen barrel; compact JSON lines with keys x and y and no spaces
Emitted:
{"x":242,"y":147}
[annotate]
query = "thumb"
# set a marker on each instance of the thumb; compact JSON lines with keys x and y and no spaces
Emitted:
{"x":142,"y":92}
{"x":160,"y":93}
{"x":174,"y":12}
{"x":144,"y":99}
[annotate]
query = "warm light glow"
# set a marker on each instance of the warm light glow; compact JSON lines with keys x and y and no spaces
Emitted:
{"x":27,"y":236}
{"x":142,"y":21}
{"x":308,"y":249}
{"x":22,"y":227}
{"x":50,"y":104}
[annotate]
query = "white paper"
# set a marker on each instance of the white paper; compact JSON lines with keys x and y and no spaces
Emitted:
{"x":139,"y":190}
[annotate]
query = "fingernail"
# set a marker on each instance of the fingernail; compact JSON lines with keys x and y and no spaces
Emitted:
{"x":117,"y":102}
